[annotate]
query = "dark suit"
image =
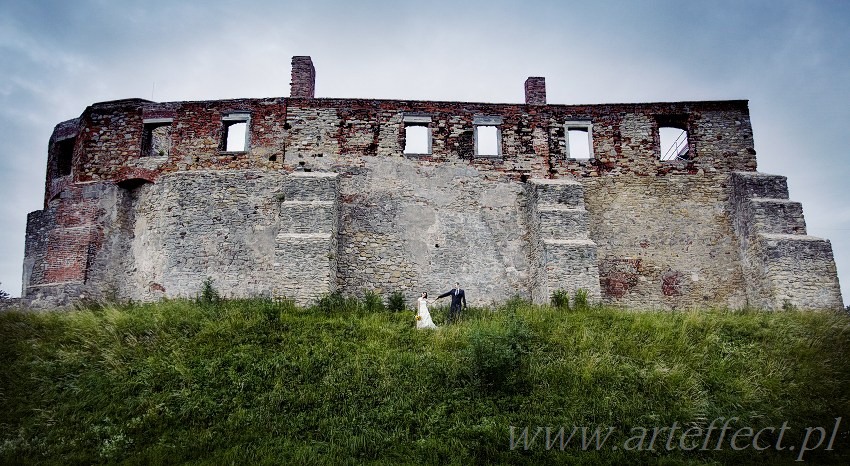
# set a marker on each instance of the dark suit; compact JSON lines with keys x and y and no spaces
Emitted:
{"x":458,"y":296}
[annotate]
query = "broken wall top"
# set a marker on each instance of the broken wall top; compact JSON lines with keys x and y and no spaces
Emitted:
{"x":112,"y":140}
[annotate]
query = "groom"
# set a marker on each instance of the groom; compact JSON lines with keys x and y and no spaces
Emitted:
{"x":457,"y":297}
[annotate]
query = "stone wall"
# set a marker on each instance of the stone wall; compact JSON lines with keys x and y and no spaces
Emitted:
{"x":11,"y":304}
{"x":324,"y":197}
{"x":786,"y":267}
{"x":411,"y":227}
{"x":665,"y":242}
{"x":63,"y":241}
{"x":561,"y":251}
{"x":319,"y":134}
{"x":254,"y":233}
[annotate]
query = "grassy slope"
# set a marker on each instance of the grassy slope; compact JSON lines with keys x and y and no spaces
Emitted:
{"x":259,"y":381}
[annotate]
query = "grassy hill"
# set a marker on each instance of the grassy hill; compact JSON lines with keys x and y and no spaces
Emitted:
{"x":348,"y":382}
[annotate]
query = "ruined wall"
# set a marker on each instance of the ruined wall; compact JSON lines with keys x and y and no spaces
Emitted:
{"x":254,"y":233}
{"x":785,"y":266}
{"x":666,"y":242}
{"x":560,"y":249}
{"x":111,"y":137}
{"x":146,"y":199}
{"x":63,"y":242}
{"x":414,"y":227}
{"x":320,"y":134}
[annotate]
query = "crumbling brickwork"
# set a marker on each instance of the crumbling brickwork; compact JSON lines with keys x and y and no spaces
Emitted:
{"x":303,"y":196}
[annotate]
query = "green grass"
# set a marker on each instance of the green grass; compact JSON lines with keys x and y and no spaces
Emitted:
{"x":348,"y":382}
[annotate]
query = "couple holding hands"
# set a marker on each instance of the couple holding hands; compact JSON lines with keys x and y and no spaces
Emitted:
{"x":423,"y":317}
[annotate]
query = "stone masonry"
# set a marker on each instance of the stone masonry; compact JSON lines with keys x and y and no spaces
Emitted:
{"x":145,"y":200}
{"x":786,"y":266}
{"x":563,"y":255}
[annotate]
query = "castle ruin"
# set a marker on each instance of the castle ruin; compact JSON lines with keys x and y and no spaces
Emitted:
{"x":303,"y":196}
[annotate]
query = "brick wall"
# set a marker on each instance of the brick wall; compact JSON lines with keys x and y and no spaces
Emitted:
{"x":669,"y":234}
{"x":303,"y":83}
{"x":321,"y":133}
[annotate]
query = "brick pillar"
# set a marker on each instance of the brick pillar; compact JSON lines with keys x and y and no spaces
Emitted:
{"x":535,"y":91}
{"x":303,"y":83}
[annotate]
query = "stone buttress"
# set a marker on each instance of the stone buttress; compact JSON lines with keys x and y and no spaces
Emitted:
{"x":783,"y":266}
{"x":563,"y":255}
{"x":306,"y":244}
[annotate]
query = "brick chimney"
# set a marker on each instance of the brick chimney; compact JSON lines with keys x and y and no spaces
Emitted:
{"x":303,"y":83}
{"x":535,"y":90}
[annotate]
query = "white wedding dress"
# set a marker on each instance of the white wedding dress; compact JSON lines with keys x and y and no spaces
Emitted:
{"x":424,"y":316}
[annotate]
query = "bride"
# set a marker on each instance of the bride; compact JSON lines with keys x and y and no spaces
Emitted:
{"x":423,"y":317}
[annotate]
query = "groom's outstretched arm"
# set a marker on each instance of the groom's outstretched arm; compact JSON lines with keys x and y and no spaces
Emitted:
{"x":447,"y":293}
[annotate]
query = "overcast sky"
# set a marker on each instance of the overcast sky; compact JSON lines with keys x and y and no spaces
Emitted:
{"x":790,"y":59}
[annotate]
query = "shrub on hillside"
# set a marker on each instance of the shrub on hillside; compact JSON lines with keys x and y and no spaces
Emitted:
{"x":560,"y":299}
{"x":208,"y":295}
{"x":498,"y":355}
{"x":395,"y":302}
{"x":338,"y":303}
{"x":515,"y":303}
{"x":580,"y":301}
{"x":372,"y":302}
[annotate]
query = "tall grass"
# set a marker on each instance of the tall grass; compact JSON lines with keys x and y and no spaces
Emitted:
{"x":347,"y":381}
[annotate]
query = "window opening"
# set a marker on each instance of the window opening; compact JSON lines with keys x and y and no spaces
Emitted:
{"x":673,"y":143}
{"x":487,"y":140}
{"x":156,"y":137}
{"x":417,"y":134}
{"x":488,"y":136}
{"x":416,"y":139}
{"x":64,"y":156}
{"x":236,"y":137}
{"x":235,"y":134}
{"x":579,"y":140}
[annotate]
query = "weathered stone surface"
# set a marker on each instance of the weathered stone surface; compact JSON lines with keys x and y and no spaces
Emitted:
{"x":253,"y":233}
{"x":649,"y":228}
{"x":564,"y":258}
{"x":143,"y":200}
{"x":412,"y":227}
{"x":785,"y":266}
